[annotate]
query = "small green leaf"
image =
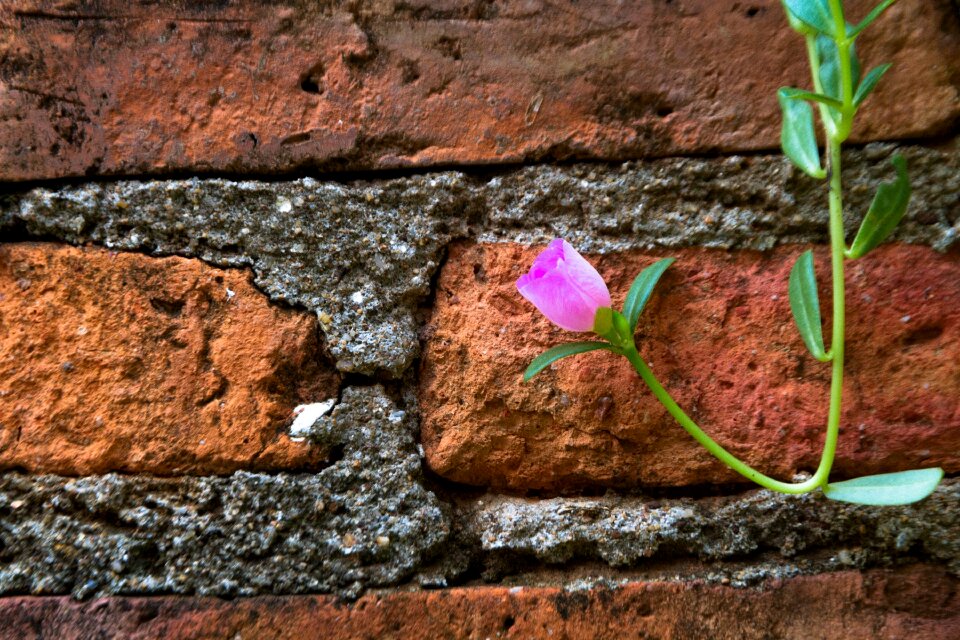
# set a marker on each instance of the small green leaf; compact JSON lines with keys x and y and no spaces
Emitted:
{"x":887,"y":488}
{"x":797,"y":137}
{"x":873,"y":15}
{"x":869,"y":82}
{"x":551,"y":355}
{"x":641,"y":289}
{"x":800,"y":94}
{"x":813,"y":13}
{"x":805,"y":304}
{"x":886,"y":210}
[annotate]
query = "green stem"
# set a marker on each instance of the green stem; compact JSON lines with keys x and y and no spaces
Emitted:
{"x":836,"y":133}
{"x":837,"y":248}
{"x":846,"y":79}
{"x":700,"y":436}
{"x":814,"y":57}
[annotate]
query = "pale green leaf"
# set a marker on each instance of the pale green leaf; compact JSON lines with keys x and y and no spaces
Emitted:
{"x":903,"y":487}
{"x":813,"y":13}
{"x":797,"y":138}
{"x":805,"y":304}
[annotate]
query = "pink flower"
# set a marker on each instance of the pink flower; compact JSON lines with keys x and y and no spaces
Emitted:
{"x":565,"y":287}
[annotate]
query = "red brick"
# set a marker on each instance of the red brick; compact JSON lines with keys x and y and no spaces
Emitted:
{"x":720,"y":336}
{"x":918,"y":602}
{"x":122,"y":362}
{"x":118,"y":87}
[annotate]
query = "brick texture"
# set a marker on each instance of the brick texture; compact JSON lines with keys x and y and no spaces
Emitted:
{"x":918,"y":602}
{"x":720,"y":336}
{"x":122,"y":362}
{"x":121,"y":87}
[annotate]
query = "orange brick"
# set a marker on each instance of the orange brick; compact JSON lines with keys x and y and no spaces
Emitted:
{"x":918,"y":602}
{"x":720,"y":336}
{"x":122,"y":362}
{"x":135,"y":89}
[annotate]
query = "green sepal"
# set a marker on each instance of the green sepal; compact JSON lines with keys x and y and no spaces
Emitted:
{"x":904,"y":487}
{"x":815,"y":14}
{"x":797,"y":138}
{"x":558,"y":352}
{"x":873,"y":15}
{"x":800,"y":94}
{"x":869,"y":82}
{"x":622,"y":328}
{"x":641,"y":289}
{"x":805,"y":304}
{"x":887,"y":209}
{"x":603,"y":321}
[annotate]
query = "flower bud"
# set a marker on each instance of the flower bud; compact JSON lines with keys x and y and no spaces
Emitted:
{"x":565,"y":287}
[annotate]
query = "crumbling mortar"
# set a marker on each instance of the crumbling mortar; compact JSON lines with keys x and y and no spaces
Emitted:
{"x":314,"y":244}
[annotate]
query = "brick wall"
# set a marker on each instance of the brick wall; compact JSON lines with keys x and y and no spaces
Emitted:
{"x":260,"y":340}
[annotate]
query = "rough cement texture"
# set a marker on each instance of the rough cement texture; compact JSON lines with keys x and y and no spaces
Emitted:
{"x":365,"y":520}
{"x":361,"y":255}
{"x":133,"y":87}
{"x":505,"y":532}
{"x":745,"y":202}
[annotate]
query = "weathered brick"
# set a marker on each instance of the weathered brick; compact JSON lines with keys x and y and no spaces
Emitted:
{"x":118,"y":361}
{"x":121,"y":87}
{"x":918,"y":602}
{"x":720,"y":336}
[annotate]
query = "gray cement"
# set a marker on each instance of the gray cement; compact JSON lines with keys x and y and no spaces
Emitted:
{"x":366,"y":520}
{"x":628,"y":532}
{"x":362,"y":255}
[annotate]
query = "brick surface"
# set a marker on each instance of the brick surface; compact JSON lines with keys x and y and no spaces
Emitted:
{"x":156,"y":365}
{"x":120,"y":87}
{"x":918,"y":602}
{"x":720,"y":336}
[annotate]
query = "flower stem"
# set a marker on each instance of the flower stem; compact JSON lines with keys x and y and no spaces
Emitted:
{"x":836,"y":133}
{"x":700,"y":436}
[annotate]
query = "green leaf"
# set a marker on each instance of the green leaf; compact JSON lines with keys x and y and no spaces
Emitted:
{"x":873,"y":15}
{"x":887,"y":488}
{"x":800,"y":94}
{"x":830,"y":82}
{"x":806,"y":304}
{"x":869,"y":82}
{"x":550,"y":356}
{"x":795,"y":23}
{"x":813,"y":13}
{"x":797,"y":137}
{"x":886,"y":210}
{"x":641,"y":289}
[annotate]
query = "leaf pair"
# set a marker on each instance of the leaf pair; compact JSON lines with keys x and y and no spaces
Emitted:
{"x":640,"y":292}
